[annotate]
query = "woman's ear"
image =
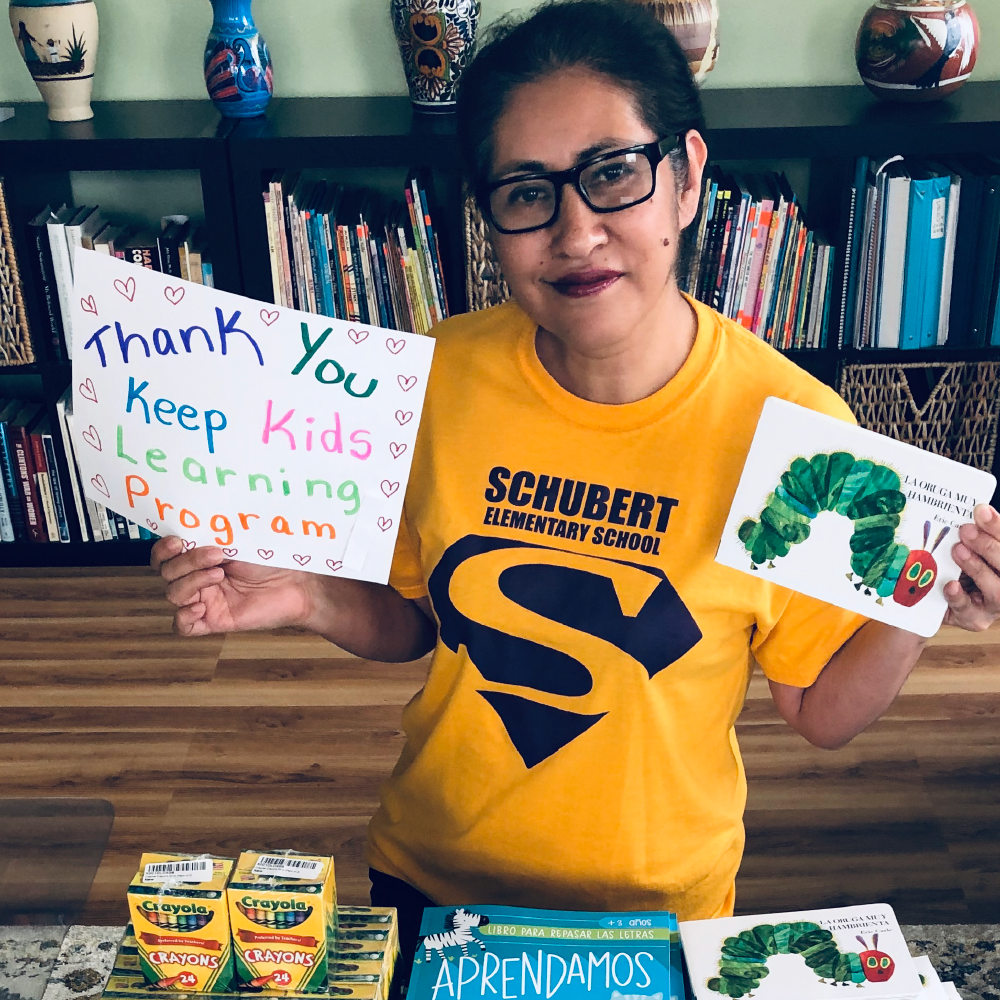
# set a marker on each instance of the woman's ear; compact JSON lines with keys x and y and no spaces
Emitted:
{"x":690,"y":194}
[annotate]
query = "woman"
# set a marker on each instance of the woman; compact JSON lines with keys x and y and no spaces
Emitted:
{"x":573,"y":746}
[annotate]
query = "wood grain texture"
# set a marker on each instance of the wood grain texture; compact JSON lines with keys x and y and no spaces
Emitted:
{"x":280,"y":739}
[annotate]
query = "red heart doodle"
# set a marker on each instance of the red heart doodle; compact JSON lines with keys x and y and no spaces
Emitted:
{"x":334,"y":564}
{"x":92,"y":438}
{"x":173,"y":295}
{"x":385,"y":523}
{"x":152,"y":524}
{"x":389,"y":488}
{"x":88,"y":305}
{"x":301,"y":560}
{"x":397,"y":449}
{"x":406,"y":382}
{"x":402,"y":417}
{"x":357,"y":335}
{"x":395,"y":345}
{"x":267,"y":318}
{"x":188,"y":546}
{"x":265,"y":553}
{"x":126,"y":288}
{"x":232,"y":553}
{"x":100,"y":485}
{"x":88,"y":391}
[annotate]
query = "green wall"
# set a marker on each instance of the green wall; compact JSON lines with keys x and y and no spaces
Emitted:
{"x":153,"y":48}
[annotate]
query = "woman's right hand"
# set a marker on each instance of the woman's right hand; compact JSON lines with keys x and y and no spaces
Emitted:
{"x":216,"y":594}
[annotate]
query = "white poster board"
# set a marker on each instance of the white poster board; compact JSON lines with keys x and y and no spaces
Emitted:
{"x":281,"y":436}
{"x":891,"y":559}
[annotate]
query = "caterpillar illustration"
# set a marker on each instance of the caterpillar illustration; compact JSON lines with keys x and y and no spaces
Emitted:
{"x":868,"y":494}
{"x":743,"y":963}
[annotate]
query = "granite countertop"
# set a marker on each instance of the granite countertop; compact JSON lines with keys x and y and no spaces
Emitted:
{"x":56,"y":963}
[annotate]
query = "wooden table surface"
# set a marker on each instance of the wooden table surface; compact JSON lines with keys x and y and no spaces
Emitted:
{"x":280,"y":739}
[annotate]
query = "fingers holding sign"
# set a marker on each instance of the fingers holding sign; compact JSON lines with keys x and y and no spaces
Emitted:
{"x":974,"y":600}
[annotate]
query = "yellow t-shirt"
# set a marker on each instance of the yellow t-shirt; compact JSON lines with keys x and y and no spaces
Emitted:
{"x":573,"y":746}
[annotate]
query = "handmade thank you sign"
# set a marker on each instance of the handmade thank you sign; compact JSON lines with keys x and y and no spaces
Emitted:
{"x":283,"y":437}
{"x":850,"y":516}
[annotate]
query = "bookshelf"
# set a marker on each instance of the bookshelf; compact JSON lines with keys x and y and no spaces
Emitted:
{"x":826,"y":126}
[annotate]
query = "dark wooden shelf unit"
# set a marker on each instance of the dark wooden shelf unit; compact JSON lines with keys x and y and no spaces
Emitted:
{"x":828,"y":126}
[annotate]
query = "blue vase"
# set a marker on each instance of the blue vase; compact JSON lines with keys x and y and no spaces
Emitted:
{"x":238,"y":70}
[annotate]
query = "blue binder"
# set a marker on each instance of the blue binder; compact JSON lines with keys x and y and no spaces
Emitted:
{"x":924,"y":259}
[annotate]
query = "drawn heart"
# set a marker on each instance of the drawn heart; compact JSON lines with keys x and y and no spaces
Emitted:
{"x":406,"y":382}
{"x":395,"y":345}
{"x":357,"y":335}
{"x":230,"y":552}
{"x":173,"y":295}
{"x":401,"y":416}
{"x":265,"y":553}
{"x":268,"y":317}
{"x":88,"y":391}
{"x":389,"y":488}
{"x":126,"y":288}
{"x":92,"y":438}
{"x":385,"y":523}
{"x":152,"y":524}
{"x":100,"y":485}
{"x":334,"y":564}
{"x":88,"y":305}
{"x":188,"y":546}
{"x":301,"y":560}
{"x":397,"y":449}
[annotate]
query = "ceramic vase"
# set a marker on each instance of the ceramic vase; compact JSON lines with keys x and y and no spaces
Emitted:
{"x":695,"y":24}
{"x":436,"y":41}
{"x":58,"y":42}
{"x":917,"y":50}
{"x":238,"y":70}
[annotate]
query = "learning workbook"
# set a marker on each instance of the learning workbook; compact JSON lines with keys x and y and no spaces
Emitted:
{"x":808,"y":955}
{"x":513,"y":953}
{"x":851,"y":517}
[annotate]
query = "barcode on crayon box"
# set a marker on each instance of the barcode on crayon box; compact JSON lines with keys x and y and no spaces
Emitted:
{"x":270,"y":864}
{"x":182,"y":871}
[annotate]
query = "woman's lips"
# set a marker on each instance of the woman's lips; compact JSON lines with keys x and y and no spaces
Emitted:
{"x":580,"y":284}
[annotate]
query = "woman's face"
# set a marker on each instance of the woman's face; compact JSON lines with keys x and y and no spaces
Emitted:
{"x":590,"y":279}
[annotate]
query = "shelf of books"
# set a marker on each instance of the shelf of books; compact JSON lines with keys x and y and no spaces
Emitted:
{"x":841,"y":231}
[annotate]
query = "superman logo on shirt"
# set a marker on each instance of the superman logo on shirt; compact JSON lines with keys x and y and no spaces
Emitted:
{"x":543,"y":619}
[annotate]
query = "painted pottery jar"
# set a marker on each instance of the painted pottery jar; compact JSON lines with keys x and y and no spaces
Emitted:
{"x":695,"y":24}
{"x":238,"y":70}
{"x":436,"y":41}
{"x":57,"y":40}
{"x":917,"y":50}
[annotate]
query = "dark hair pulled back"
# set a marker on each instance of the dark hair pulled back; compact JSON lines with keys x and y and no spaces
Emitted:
{"x":620,"y":40}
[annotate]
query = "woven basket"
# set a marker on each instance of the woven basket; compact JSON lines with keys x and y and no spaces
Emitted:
{"x":958,"y":419}
{"x":484,"y":284}
{"x":15,"y":338}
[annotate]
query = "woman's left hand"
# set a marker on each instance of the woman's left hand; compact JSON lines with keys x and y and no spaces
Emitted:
{"x":974,"y":599}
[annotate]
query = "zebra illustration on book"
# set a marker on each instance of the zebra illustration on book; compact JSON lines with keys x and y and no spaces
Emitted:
{"x":459,"y":931}
{"x":868,"y":494}
{"x":743,"y":963}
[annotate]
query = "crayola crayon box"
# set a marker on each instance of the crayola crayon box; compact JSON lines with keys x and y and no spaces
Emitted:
{"x":283,"y":911}
{"x":177,"y":903}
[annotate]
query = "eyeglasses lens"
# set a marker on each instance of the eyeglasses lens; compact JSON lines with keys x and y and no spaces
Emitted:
{"x":609,"y":184}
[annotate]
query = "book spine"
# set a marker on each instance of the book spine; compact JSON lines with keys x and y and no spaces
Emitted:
{"x":277,"y":292}
{"x":182,"y":260}
{"x":827,"y":297}
{"x":298,"y":269}
{"x":435,"y":249}
{"x":419,"y":258}
{"x":63,"y":273}
{"x":333,"y":268}
{"x":768,"y":272}
{"x":11,"y":481}
{"x":947,"y":278}
{"x":24,"y":466}
{"x":55,"y":483}
{"x":43,"y":488}
{"x":755,"y":293}
{"x":74,"y":478}
{"x":358,"y":274}
{"x":762,"y":228}
{"x":48,"y":294}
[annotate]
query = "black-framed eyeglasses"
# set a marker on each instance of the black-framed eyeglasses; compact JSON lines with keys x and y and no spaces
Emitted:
{"x":609,"y":182}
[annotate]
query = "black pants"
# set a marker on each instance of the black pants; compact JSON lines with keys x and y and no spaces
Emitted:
{"x":409,"y":902}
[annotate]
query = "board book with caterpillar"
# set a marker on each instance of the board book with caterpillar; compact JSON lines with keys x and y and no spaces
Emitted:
{"x":527,"y":954}
{"x":850,"y":517}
